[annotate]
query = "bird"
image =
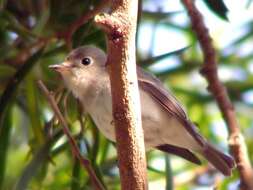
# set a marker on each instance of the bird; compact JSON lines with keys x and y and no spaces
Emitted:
{"x":165,"y":123}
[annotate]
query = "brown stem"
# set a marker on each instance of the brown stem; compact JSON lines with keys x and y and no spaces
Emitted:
{"x":120,"y":27}
{"x":210,"y":71}
{"x":85,"y":162}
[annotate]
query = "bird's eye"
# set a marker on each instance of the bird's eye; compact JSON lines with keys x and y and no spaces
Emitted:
{"x":86,"y":61}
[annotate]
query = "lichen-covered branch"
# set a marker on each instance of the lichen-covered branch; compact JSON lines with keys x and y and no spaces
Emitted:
{"x":120,"y":27}
{"x":210,"y":71}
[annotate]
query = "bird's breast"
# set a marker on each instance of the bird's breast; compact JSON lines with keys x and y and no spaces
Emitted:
{"x":101,"y":112}
{"x":159,"y":127}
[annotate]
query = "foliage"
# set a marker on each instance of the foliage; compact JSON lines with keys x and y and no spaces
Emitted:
{"x":34,"y":153}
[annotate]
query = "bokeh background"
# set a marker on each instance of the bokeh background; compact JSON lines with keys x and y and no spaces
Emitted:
{"x":34,"y":154}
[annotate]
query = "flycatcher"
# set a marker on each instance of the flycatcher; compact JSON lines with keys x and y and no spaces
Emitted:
{"x":165,"y":123}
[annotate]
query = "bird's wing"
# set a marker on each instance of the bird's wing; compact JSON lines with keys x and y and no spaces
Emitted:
{"x":157,"y":91}
{"x":181,"y":152}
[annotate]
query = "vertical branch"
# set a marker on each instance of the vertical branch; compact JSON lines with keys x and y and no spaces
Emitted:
{"x":120,"y":27}
{"x":209,"y":70}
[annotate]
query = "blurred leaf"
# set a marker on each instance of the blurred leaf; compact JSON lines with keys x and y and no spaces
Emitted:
{"x":95,"y":37}
{"x":39,"y":158}
{"x":75,"y":183}
{"x":93,"y":154}
{"x":192,"y":94}
{"x":31,"y":97}
{"x":104,"y":149}
{"x":218,"y":7}
{"x":226,"y":182}
{"x":5,"y":127}
{"x":169,"y":173}
{"x":2,"y":4}
{"x":150,"y":168}
{"x":42,"y":20}
{"x":6,"y":71}
{"x":3,"y":20}
{"x":185,"y":68}
{"x":15,"y":26}
{"x":249,"y":2}
{"x":154,"y":59}
{"x":81,"y":33}
{"x":65,"y":13}
{"x":54,"y":51}
{"x":12,"y":86}
{"x":95,"y":146}
{"x":158,"y":16}
{"x":243,"y":38}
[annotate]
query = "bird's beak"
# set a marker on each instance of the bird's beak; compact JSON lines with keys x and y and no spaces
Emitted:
{"x":60,"y":67}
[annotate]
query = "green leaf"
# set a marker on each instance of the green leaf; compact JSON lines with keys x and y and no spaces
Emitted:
{"x":39,"y":158}
{"x":151,"y":168}
{"x":33,"y":110}
{"x":158,"y":16}
{"x":54,"y":51}
{"x":14,"y":25}
{"x":5,"y":125}
{"x":6,"y":71}
{"x":218,"y":7}
{"x":95,"y":37}
{"x":75,"y":182}
{"x":104,"y":149}
{"x":154,"y":59}
{"x":42,"y":21}
{"x":169,"y":174}
{"x":249,"y":2}
{"x":80,"y":34}
{"x":2,"y":4}
{"x":14,"y":82}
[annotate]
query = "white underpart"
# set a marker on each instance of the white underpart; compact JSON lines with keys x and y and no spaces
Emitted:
{"x":159,"y":127}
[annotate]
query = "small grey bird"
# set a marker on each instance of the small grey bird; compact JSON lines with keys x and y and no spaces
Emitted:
{"x":165,"y":123}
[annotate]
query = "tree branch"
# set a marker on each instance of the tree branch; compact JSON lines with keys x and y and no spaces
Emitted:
{"x":210,"y":71}
{"x":85,"y":162}
{"x":120,"y":27}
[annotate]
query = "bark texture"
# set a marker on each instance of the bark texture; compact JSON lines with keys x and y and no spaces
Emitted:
{"x":120,"y":27}
{"x":210,"y":71}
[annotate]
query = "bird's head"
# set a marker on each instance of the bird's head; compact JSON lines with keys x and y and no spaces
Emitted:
{"x":82,"y":68}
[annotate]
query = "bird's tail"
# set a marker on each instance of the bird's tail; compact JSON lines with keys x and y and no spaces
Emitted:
{"x":222,"y":162}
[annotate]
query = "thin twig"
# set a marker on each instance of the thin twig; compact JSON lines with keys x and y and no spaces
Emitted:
{"x":210,"y":71}
{"x":85,"y":162}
